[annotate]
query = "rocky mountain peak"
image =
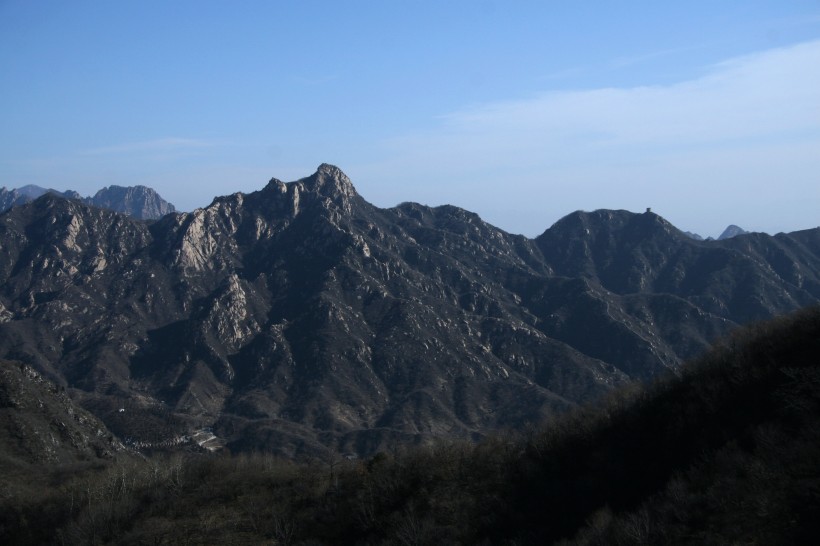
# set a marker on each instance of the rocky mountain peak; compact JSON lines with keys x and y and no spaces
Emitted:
{"x":300,"y":316}
{"x":732,"y":231}
{"x":31,"y":190}
{"x":137,"y":201}
{"x":17,"y":196}
{"x":276,"y":186}
{"x":330,"y":181}
{"x":623,"y":250}
{"x":609,"y":223}
{"x":328,"y":186}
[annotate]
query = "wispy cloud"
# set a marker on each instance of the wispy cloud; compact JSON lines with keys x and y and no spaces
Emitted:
{"x":603,"y":147}
{"x":774,"y":94}
{"x":161,"y":145}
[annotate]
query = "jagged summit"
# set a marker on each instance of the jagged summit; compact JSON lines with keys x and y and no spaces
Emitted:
{"x":327,"y":186}
{"x":329,"y":181}
{"x":301,"y":316}
{"x":137,"y":201}
{"x":331,"y":170}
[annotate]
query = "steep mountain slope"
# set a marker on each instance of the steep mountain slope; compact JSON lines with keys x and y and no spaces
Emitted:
{"x":725,"y":453}
{"x":301,"y":315}
{"x":44,"y":433}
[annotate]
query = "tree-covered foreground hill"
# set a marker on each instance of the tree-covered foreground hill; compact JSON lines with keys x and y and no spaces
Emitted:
{"x":726,"y":452}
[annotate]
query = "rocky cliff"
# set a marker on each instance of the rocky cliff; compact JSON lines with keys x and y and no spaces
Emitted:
{"x":137,"y":201}
{"x":301,"y":316}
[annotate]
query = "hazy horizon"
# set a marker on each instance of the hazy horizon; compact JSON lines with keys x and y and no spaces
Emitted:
{"x":522,"y":112}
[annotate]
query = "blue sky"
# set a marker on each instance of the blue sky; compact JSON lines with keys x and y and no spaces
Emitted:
{"x":708,"y":112}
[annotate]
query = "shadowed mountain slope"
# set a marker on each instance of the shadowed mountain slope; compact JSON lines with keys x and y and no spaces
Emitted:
{"x":300,"y":315}
{"x":725,"y":453}
{"x":42,"y":430}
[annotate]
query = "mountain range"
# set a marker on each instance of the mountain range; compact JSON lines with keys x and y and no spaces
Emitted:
{"x":723,"y":453}
{"x":300,"y":317}
{"x":730,"y":231}
{"x":137,"y":201}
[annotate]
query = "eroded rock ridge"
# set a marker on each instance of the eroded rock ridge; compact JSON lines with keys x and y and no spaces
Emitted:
{"x":301,"y":316}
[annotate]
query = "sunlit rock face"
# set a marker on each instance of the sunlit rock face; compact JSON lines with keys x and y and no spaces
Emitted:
{"x":301,"y":316}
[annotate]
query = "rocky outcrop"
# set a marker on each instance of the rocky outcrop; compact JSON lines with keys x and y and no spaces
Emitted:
{"x":137,"y":201}
{"x":301,"y":316}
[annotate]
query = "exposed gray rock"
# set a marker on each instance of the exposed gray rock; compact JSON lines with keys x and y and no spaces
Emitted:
{"x":300,"y":315}
{"x":137,"y":201}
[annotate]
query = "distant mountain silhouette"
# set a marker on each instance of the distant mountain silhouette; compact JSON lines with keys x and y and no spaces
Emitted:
{"x":301,"y":316}
{"x":731,"y":231}
{"x":26,"y":194}
{"x":137,"y":201}
{"x":692,"y":235}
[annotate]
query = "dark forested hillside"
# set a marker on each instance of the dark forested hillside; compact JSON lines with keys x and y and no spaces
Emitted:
{"x":300,"y":317}
{"x":41,"y":426}
{"x":725,"y":453}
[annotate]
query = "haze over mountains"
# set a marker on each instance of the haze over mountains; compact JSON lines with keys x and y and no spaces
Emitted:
{"x":301,"y":316}
{"x":145,"y":203}
{"x":136,"y":201}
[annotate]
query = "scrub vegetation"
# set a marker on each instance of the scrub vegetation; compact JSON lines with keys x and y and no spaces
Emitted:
{"x":724,"y":452}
